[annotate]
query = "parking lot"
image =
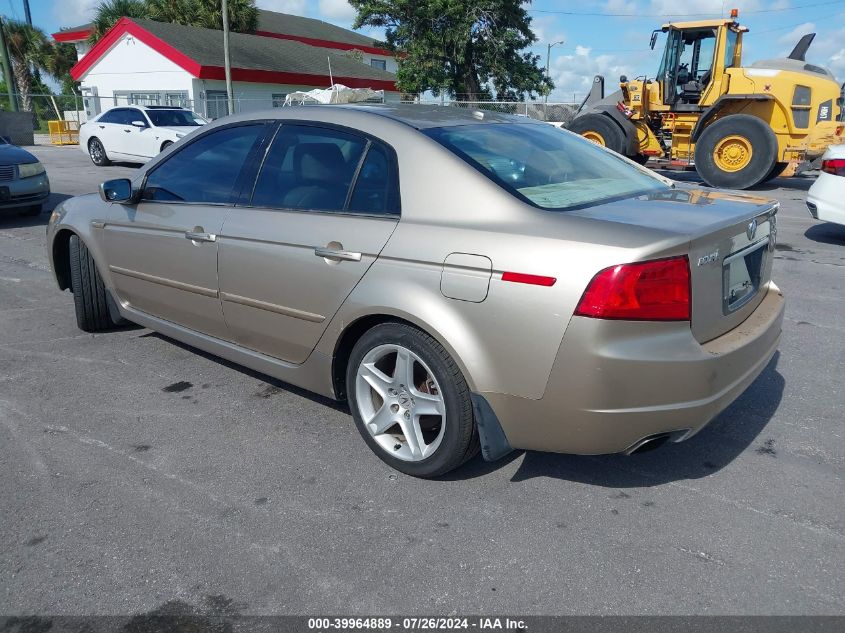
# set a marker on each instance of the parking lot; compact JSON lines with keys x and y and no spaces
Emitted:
{"x":137,"y":474}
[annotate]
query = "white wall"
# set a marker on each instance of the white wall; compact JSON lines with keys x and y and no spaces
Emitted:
{"x":132,"y":65}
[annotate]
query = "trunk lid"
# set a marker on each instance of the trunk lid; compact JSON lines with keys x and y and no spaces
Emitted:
{"x":731,"y":239}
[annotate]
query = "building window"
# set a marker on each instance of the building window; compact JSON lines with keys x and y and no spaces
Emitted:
{"x":176,"y":99}
{"x":144,"y":98}
{"x":381,"y":64}
{"x":279,"y":99}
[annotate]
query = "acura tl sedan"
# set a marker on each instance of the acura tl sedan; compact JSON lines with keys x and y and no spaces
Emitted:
{"x":465,"y":280}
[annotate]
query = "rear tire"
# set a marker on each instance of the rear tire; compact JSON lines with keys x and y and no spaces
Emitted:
{"x":640,"y":159}
{"x":97,"y":152}
{"x":601,"y":130}
{"x":736,"y":152}
{"x":90,"y":299}
{"x":433,"y":368}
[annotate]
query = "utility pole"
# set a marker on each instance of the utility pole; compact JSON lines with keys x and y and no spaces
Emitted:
{"x":7,"y":69}
{"x":27,"y":12}
{"x":227,"y":65}
{"x":548,"y":57}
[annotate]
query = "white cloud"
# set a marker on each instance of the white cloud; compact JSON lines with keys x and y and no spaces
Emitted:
{"x":337,"y":10}
{"x":74,"y":12}
{"x":573,"y":74}
{"x":795,"y":34}
{"x":297,"y":7}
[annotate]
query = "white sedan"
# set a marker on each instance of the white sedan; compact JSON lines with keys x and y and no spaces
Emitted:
{"x":826,"y":198}
{"x":135,"y":134}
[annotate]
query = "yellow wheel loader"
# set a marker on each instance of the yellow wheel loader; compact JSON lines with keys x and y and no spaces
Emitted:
{"x":740,"y":126}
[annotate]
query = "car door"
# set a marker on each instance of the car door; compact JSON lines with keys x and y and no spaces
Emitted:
{"x":108,"y":129}
{"x":324,"y":204}
{"x":162,"y":251}
{"x":132,"y":140}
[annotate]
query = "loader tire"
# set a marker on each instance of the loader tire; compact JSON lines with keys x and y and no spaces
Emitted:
{"x":736,"y":152}
{"x":601,"y":130}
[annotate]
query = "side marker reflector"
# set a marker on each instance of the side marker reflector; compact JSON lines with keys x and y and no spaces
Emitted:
{"x":534,"y":280}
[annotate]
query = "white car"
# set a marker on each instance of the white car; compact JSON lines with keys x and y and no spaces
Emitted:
{"x":826,"y":198}
{"x":135,"y":134}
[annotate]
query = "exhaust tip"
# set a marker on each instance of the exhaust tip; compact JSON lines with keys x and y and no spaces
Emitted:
{"x":652,"y":442}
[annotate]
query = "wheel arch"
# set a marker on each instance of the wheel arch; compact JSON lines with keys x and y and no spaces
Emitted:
{"x":355,"y":329}
{"x":61,"y":257}
{"x":728,"y":102}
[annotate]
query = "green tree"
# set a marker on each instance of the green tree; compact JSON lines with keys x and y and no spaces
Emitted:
{"x":26,"y":46}
{"x":464,"y":48}
{"x":110,"y":11}
{"x":243,"y":15}
{"x":57,"y":60}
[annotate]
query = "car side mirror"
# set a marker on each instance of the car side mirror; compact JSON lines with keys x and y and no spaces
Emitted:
{"x":118,"y":190}
{"x":140,"y":124}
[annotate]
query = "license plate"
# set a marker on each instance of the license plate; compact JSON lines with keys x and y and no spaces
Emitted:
{"x":4,"y":194}
{"x":741,"y":274}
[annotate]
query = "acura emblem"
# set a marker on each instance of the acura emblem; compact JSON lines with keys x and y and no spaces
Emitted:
{"x":751,"y":229}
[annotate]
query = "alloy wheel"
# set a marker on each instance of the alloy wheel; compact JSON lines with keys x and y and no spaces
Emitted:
{"x":400,"y":402}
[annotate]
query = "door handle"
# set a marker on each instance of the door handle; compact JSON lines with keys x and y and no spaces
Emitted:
{"x":125,"y":130}
{"x":102,"y":127}
{"x":330,"y":253}
{"x":198,"y":236}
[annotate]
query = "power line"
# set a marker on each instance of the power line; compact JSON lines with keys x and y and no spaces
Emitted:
{"x":682,"y":15}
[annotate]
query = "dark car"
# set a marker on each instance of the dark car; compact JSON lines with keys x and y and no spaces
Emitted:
{"x":24,"y":185}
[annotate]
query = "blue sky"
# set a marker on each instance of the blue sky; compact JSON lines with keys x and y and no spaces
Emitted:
{"x":608,"y":37}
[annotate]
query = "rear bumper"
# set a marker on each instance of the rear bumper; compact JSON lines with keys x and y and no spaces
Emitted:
{"x":826,"y":198}
{"x":617,"y":382}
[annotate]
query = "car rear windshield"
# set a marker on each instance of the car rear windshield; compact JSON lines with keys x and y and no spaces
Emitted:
{"x":545,"y":166}
{"x":172,"y":118}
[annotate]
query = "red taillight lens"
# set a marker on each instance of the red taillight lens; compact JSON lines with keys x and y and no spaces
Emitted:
{"x":835,"y":166}
{"x":657,"y":290}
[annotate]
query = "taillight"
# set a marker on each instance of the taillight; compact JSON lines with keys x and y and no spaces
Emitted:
{"x":657,"y":290}
{"x":835,"y":166}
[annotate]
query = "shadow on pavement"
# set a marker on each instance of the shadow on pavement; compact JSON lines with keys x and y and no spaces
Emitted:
{"x":796,"y":183}
{"x":827,"y":233}
{"x":716,"y":446}
{"x":11,"y":218}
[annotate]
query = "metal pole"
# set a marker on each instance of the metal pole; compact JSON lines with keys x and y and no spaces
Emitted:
{"x":546,"y":96}
{"x":26,"y":11}
{"x":7,"y":71}
{"x":226,"y":63}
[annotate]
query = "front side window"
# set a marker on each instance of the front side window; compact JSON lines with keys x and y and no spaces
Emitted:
{"x":173,"y":118}
{"x":308,"y":167}
{"x":206,"y":170}
{"x":545,"y":166}
{"x":131,"y":115}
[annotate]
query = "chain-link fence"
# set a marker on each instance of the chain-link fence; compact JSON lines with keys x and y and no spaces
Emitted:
{"x":68,"y":112}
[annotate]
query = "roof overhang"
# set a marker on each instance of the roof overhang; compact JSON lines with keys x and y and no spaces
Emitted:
{"x":78,"y":35}
{"x":312,"y":41}
{"x":125,"y":26}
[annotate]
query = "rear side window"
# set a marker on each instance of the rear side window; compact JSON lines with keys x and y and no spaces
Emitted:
{"x":112,"y":116}
{"x":206,"y":170}
{"x":376,"y":188}
{"x":545,"y":166}
{"x":308,"y":168}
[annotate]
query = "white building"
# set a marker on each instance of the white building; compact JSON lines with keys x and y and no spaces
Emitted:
{"x":158,"y":63}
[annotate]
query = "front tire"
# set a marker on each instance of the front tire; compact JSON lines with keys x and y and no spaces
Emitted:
{"x":601,"y":130}
{"x":89,"y":294}
{"x":736,"y":152}
{"x":97,"y":152}
{"x":410,"y":401}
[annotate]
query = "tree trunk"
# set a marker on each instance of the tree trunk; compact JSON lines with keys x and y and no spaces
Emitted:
{"x":23,"y":79}
{"x":469,"y":85}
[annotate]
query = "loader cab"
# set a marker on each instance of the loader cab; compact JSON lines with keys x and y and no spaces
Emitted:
{"x":695,"y":54}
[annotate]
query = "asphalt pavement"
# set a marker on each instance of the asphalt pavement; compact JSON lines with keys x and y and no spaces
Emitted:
{"x":137,"y":473}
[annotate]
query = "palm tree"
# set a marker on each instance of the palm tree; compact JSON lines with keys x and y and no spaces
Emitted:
{"x":57,"y":60}
{"x":243,"y":15}
{"x":110,"y":11}
{"x":26,"y":51}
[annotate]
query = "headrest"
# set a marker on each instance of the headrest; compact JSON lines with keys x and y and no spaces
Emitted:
{"x":318,"y":161}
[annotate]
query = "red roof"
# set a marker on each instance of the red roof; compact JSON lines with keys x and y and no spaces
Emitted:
{"x":193,"y":50}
